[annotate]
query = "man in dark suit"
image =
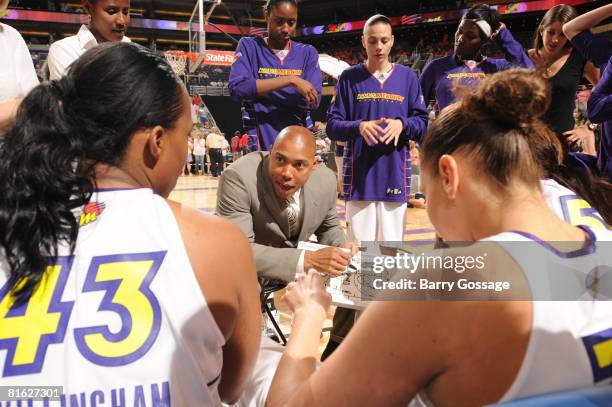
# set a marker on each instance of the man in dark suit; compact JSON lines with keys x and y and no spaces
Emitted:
{"x":283,"y":197}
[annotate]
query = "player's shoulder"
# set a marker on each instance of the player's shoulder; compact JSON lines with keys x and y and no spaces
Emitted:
{"x":247,"y":168}
{"x":247,"y":40}
{"x":353,"y":71}
{"x":404,"y":70}
{"x":441,"y":63}
{"x":9,"y":30}
{"x":248,"y":43}
{"x":304,"y":47}
{"x":193,"y":222}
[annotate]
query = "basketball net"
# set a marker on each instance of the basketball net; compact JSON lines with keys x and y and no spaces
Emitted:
{"x":177,"y":61}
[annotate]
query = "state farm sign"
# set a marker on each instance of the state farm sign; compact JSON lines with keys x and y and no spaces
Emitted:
{"x":224,"y":58}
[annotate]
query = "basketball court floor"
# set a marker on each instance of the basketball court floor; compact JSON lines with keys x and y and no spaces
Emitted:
{"x":201,"y":192}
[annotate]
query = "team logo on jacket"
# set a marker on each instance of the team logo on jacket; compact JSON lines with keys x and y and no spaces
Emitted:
{"x":390,"y":97}
{"x":91,"y":212}
{"x":279,"y":72}
{"x":394,"y":191}
{"x":470,"y":75}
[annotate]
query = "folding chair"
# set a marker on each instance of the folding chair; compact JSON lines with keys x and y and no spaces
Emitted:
{"x":267,"y":289}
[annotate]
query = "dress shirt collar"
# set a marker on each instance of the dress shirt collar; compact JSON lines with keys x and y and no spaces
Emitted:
{"x":87,"y":39}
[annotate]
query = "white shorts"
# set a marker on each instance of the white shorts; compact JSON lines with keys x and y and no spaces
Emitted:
{"x":375,"y":221}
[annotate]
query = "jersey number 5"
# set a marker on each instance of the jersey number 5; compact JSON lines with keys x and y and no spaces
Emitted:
{"x":577,"y":211}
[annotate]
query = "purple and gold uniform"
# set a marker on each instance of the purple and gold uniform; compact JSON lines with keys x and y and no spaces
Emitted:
{"x":599,"y":50}
{"x":380,"y":172}
{"x":440,"y":75}
{"x":265,"y":116}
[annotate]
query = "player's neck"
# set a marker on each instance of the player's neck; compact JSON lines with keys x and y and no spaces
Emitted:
{"x":525,"y":213}
{"x":375,"y":67}
{"x":114,"y":177}
{"x":280,"y":45}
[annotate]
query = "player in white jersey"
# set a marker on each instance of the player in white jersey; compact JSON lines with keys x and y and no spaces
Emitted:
{"x":482,"y":181}
{"x":570,"y":189}
{"x":108,"y":289}
{"x":570,"y":207}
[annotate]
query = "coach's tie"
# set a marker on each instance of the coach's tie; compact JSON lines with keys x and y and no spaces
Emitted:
{"x":292,"y":216}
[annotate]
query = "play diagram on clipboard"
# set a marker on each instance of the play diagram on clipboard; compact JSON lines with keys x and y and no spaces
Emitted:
{"x":348,"y":290}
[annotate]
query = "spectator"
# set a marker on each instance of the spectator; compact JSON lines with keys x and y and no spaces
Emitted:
{"x":244,"y":143}
{"x":189,"y":159}
{"x":225,"y":150}
{"x":235,"y":146}
{"x":214,"y":146}
{"x":199,"y":152}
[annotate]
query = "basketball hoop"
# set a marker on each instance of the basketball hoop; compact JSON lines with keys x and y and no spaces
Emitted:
{"x":178,"y":60}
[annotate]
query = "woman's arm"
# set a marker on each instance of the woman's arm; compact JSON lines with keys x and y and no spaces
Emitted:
{"x":513,"y":50}
{"x":370,"y":367}
{"x":223,"y":265}
{"x":591,"y":73}
{"x":586,"y":21}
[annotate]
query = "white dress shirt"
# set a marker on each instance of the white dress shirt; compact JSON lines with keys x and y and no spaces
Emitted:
{"x":295,"y":204}
{"x":17,"y":74}
{"x":64,"y":52}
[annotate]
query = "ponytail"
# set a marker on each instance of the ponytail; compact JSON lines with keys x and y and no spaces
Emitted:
{"x":40,"y":185}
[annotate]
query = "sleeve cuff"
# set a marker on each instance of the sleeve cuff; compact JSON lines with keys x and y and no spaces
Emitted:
{"x":299,"y":268}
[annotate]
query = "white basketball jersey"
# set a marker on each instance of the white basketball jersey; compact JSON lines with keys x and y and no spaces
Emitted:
{"x":123,"y":321}
{"x":571,"y":207}
{"x":570,"y":346}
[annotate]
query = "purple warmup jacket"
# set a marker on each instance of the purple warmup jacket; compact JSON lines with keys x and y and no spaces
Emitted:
{"x":599,"y":50}
{"x":440,"y":75}
{"x":265,"y":116}
{"x":380,"y":172}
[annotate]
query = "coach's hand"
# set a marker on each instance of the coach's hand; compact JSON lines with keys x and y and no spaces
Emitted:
{"x":330,"y":260}
{"x":350,"y":246}
{"x":306,"y":90}
{"x":393,"y":131}
{"x":371,"y":131}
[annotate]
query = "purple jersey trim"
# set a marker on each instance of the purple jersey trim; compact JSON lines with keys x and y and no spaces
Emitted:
{"x":589,"y":248}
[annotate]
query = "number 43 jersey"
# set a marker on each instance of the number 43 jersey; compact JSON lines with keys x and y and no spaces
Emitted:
{"x":122,"y":321}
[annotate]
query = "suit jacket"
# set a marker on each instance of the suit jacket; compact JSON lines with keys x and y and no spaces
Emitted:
{"x":246,"y":197}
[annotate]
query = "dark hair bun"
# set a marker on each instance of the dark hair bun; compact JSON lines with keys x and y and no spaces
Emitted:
{"x":516,"y":98}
